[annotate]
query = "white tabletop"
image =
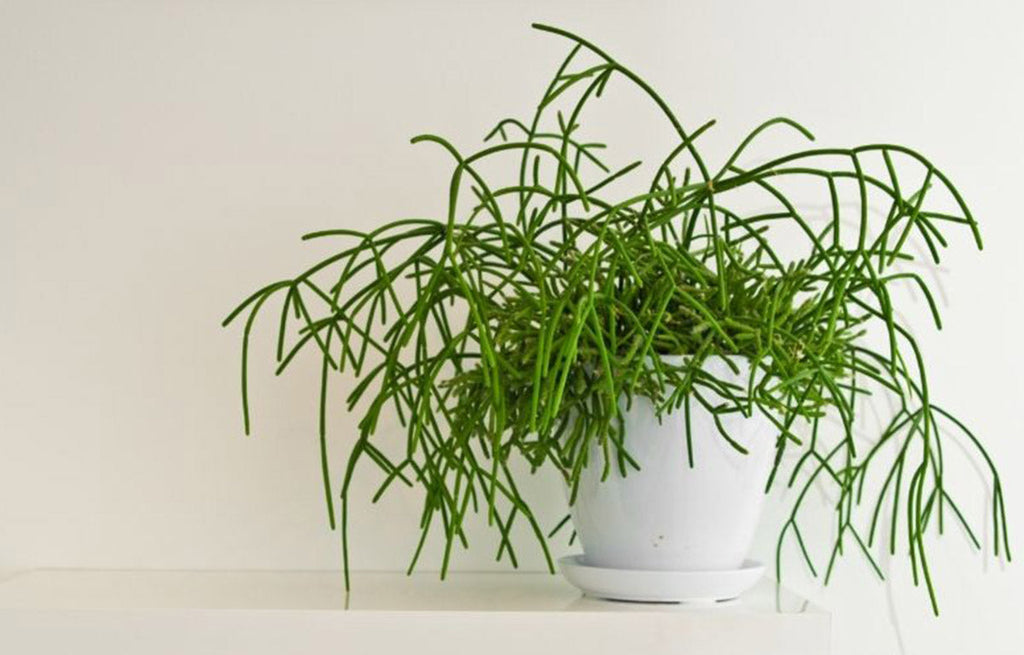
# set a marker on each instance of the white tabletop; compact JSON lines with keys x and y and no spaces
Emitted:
{"x":155,"y":612}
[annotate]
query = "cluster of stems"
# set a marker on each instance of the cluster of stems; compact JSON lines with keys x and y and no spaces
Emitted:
{"x":522,"y":323}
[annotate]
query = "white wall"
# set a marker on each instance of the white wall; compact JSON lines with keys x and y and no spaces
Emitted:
{"x":158,"y":160}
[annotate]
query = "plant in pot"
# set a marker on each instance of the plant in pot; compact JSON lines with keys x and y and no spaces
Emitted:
{"x":674,"y":350}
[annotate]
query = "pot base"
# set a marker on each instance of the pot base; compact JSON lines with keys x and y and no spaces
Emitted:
{"x":660,"y":586}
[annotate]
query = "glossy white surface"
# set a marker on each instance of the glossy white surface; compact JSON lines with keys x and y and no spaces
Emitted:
{"x":660,"y":586}
{"x":157,"y":612}
{"x":668,"y":516}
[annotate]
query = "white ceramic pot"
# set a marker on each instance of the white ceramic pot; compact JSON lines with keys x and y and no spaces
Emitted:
{"x":668,"y":516}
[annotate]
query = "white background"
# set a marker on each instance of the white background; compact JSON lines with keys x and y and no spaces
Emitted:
{"x":158,"y":161}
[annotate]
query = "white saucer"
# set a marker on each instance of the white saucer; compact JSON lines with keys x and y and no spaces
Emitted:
{"x":660,"y":586}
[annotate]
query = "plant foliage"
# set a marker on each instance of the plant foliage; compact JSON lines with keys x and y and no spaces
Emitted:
{"x":513,"y":326}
